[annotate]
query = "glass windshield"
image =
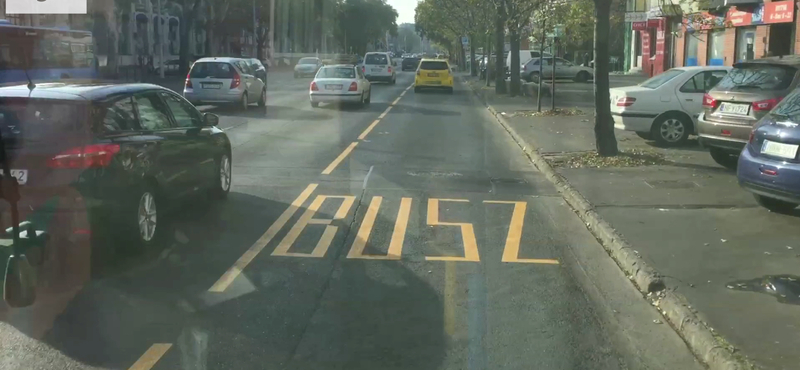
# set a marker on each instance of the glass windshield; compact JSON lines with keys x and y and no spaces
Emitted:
{"x":336,"y":72}
{"x":307,"y":61}
{"x":431,"y":65}
{"x":758,"y":77}
{"x":374,"y":185}
{"x":376,"y":59}
{"x":657,"y":81}
{"x":212,"y":70}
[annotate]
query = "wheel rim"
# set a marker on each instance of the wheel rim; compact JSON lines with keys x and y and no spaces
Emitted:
{"x":672,"y":130}
{"x":225,"y":173}
{"x":147,"y":216}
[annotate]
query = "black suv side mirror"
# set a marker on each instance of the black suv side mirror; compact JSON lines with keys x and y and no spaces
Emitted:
{"x":210,"y":119}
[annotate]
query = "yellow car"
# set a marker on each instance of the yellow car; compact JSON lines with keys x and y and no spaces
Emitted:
{"x":435,"y":74}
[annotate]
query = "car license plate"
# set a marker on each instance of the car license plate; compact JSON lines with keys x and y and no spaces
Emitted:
{"x":433,"y":75}
{"x":435,"y":82}
{"x":779,"y":149}
{"x":730,"y":108}
{"x":377,"y":69}
{"x":211,"y":86}
{"x":333,"y":87}
{"x":20,"y":175}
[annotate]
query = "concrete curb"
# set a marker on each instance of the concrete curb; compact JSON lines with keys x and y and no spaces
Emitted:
{"x":672,"y":305}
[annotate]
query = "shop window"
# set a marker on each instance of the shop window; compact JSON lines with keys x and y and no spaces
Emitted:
{"x":652,"y":32}
{"x":690,"y":45}
{"x":716,"y":47}
{"x":745,"y":43}
{"x":780,"y":39}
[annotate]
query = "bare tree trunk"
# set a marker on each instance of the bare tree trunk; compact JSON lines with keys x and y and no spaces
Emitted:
{"x":605,"y":139}
{"x":473,"y":71}
{"x":488,"y":55}
{"x":499,"y":44}
{"x":515,"y":83}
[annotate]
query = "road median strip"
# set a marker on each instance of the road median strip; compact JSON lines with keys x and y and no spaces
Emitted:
{"x":672,"y":305}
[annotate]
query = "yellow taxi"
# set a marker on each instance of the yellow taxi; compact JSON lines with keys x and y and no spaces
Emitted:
{"x":433,"y":73}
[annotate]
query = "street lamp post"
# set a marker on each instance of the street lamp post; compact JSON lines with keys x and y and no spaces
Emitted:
{"x":160,"y":42}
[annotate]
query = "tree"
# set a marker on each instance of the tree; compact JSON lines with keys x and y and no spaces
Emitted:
{"x":605,"y":140}
{"x":191,"y":9}
{"x":519,"y":13}
{"x":360,"y":22}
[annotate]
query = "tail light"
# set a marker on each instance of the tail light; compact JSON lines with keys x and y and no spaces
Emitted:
{"x":363,"y":69}
{"x":314,"y":86}
{"x":625,"y":101}
{"x":389,"y":69}
{"x":353,"y":87}
{"x":188,"y":82}
{"x":237,"y":80}
{"x":709,"y":102}
{"x":766,"y":104}
{"x":99,"y":155}
{"x":752,"y":136}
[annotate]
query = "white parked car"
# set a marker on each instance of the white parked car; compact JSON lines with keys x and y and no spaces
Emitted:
{"x":218,"y":81}
{"x":378,"y":66}
{"x":564,"y":70}
{"x":344,"y":83}
{"x":665,"y":107}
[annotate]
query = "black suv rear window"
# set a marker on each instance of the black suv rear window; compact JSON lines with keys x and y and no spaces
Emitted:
{"x":376,"y":59}
{"x":433,"y":66}
{"x":757,"y":77}
{"x":212,"y":70}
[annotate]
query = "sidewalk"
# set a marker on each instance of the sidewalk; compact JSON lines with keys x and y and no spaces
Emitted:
{"x":687,"y":218}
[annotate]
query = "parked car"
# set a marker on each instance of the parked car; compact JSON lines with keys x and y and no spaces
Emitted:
{"x":743,"y":97}
{"x":378,"y":67}
{"x":224,"y":81}
{"x":171,"y":68}
{"x":307,"y":67}
{"x":344,"y":83}
{"x":769,"y":166}
{"x":123,"y":155}
{"x":564,"y":70}
{"x":410,"y":64}
{"x":664,"y":108}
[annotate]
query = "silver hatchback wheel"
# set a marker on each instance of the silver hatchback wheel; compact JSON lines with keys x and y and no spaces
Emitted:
{"x":148,"y":220}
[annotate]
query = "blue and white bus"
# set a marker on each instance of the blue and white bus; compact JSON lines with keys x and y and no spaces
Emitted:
{"x":46,"y":54}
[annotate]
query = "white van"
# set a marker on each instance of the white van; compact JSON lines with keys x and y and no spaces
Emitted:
{"x":378,"y":66}
{"x":524,"y":57}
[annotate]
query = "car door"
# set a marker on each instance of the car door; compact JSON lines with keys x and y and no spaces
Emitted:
{"x":173,"y":168}
{"x":690,"y":93}
{"x":252,"y":84}
{"x":199,"y":144}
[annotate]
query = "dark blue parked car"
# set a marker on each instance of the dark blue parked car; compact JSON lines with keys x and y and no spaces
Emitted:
{"x":769,"y":166}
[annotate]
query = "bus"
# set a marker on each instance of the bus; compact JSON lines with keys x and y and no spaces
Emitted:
{"x":44,"y":54}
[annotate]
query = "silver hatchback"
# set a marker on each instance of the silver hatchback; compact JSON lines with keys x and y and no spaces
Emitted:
{"x":218,"y":81}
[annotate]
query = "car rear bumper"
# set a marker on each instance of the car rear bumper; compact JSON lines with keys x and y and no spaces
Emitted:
{"x":433,"y":83}
{"x":336,"y":98}
{"x":221,"y":97}
{"x":722,"y":135}
{"x":628,"y":121}
{"x":784,"y":186}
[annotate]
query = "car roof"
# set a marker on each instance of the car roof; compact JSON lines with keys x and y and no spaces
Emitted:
{"x":789,"y":60}
{"x":75,"y":90}
{"x":702,"y":68}
{"x":218,"y":59}
{"x":432,"y":60}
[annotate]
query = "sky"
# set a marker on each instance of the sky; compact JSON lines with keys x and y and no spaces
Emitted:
{"x":405,"y":10}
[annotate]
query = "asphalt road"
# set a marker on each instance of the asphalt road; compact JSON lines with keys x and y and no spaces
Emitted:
{"x":409,"y":234}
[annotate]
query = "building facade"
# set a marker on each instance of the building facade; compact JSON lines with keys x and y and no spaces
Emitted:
{"x":720,"y":32}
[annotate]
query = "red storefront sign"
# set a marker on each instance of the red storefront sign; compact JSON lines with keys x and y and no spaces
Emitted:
{"x":639,"y":26}
{"x":778,"y":12}
{"x":653,"y":23}
{"x":736,"y":17}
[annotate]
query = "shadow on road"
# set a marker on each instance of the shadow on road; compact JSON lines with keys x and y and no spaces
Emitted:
{"x":281,"y":312}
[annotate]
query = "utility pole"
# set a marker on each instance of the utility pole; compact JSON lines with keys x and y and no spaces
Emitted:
{"x":255,"y":32}
{"x":271,"y":32}
{"x":161,"y":34}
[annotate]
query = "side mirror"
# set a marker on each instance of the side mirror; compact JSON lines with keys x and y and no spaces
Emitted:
{"x":19,"y":288}
{"x":210,"y":119}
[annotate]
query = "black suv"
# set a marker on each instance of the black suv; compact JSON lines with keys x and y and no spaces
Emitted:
{"x":91,"y":157}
